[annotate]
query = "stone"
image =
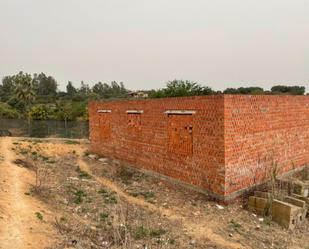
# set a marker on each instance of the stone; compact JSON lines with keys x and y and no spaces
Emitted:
{"x":193,"y":242}
{"x":92,"y":156}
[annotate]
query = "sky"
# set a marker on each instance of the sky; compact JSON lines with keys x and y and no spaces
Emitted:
{"x":145,"y":43}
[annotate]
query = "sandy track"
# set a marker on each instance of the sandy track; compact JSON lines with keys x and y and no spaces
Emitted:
{"x":19,"y":226}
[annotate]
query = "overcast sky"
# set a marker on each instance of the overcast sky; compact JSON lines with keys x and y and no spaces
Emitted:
{"x":144,"y":43}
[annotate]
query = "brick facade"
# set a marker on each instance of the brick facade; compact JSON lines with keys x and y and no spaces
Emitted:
{"x":221,"y":144}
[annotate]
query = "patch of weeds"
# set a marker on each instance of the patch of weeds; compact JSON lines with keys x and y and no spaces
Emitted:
{"x":82,"y":173}
{"x":39,"y":216}
{"x":27,"y":193}
{"x":125,"y":174}
{"x":23,"y":152}
{"x":235,"y":225}
{"x":104,"y":172}
{"x":15,"y":143}
{"x":44,"y":158}
{"x":146,"y":194}
{"x":140,"y":232}
{"x":156,"y":233}
{"x":109,"y":197}
{"x":51,"y":161}
{"x":89,"y":200}
{"x":34,"y":153}
{"x":86,"y":153}
{"x":79,"y":195}
{"x":104,"y":216}
{"x":172,"y":241}
{"x":85,"y":210}
{"x":267,"y":220}
{"x":71,"y":142}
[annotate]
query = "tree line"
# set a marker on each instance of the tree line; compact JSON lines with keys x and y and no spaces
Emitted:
{"x":37,"y":96}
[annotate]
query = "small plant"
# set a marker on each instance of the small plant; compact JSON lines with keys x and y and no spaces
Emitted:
{"x":156,"y":233}
{"x":71,"y":142}
{"x":109,"y":197}
{"x":44,"y":158}
{"x":51,"y":161}
{"x":146,"y":194}
{"x":140,"y":232}
{"x":23,"y":151}
{"x":104,"y":216}
{"x":125,"y":174}
{"x":39,"y":216}
{"x":235,"y":225}
{"x":82,"y":173}
{"x":79,"y":194}
{"x":86,"y":153}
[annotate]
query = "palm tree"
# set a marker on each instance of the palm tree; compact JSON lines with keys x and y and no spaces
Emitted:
{"x":24,"y":88}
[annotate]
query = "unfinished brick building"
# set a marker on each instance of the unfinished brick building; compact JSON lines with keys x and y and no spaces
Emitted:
{"x":219,"y":144}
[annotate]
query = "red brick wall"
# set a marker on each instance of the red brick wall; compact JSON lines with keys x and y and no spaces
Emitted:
{"x":261,"y":132}
{"x":231,"y":143}
{"x":184,"y":147}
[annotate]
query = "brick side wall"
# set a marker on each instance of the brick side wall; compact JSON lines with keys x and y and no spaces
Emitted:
{"x":231,"y":143}
{"x":261,"y":132}
{"x":189,"y":148}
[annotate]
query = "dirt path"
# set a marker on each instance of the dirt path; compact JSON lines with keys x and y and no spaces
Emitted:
{"x":202,"y":229}
{"x":19,"y":226}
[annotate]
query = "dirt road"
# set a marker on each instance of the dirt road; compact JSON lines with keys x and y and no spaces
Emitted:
{"x":19,"y":224}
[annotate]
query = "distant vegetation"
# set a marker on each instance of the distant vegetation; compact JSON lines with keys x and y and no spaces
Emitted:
{"x":37,"y":96}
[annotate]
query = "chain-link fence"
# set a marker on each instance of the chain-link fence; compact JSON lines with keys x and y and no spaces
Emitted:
{"x":44,"y":128}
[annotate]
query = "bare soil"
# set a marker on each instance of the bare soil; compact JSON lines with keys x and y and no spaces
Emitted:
{"x":53,"y":195}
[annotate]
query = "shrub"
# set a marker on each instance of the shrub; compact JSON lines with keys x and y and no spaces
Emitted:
{"x":6,"y":111}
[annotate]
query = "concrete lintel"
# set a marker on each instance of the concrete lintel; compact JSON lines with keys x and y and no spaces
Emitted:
{"x":184,"y":112}
{"x":104,"y":111}
{"x":135,"y":111}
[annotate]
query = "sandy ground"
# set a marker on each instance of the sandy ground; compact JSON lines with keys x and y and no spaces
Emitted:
{"x":21,"y":228}
{"x":201,"y":230}
{"x":19,"y":225}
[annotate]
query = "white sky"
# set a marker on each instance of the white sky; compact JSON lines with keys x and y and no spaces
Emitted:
{"x":144,"y":43}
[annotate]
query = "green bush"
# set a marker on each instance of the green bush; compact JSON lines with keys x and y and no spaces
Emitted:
{"x":39,"y":112}
{"x":6,"y":111}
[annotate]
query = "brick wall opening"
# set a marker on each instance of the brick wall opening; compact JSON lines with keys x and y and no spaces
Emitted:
{"x":104,"y":125}
{"x":134,"y":123}
{"x":180,"y":134}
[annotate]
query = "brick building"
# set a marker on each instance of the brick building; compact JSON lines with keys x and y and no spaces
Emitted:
{"x":219,"y":144}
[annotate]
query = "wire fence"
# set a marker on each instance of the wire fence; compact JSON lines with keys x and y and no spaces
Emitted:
{"x":44,"y":128}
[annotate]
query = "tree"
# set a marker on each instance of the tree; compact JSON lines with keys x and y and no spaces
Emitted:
{"x":45,"y":85}
{"x":8,"y":85}
{"x":179,"y":88}
{"x":24,"y":88}
{"x":100,"y":89}
{"x":293,"y":90}
{"x":114,"y":90}
{"x":244,"y":90}
{"x":71,"y":90}
{"x":84,"y":88}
